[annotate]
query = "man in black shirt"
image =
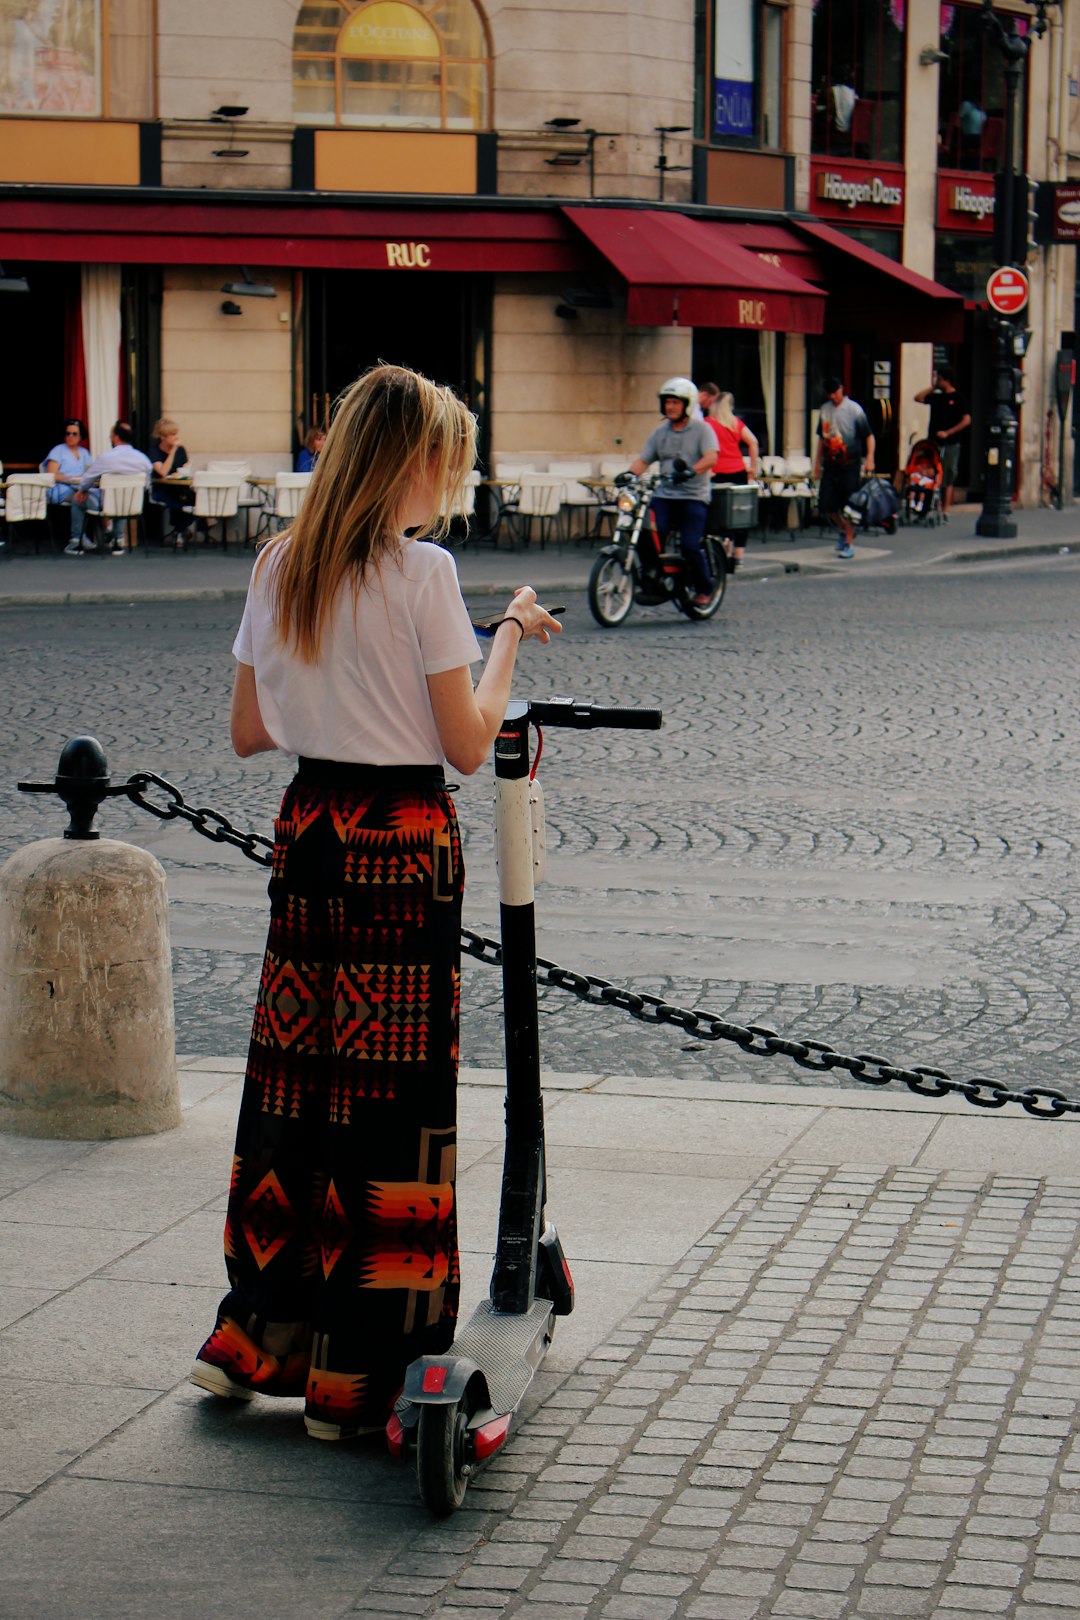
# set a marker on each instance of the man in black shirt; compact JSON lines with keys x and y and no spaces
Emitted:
{"x":949,"y":418}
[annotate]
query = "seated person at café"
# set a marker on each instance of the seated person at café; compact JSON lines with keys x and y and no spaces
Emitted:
{"x":67,"y":461}
{"x":168,"y":458}
{"x":308,"y":454}
{"x":121,"y":457}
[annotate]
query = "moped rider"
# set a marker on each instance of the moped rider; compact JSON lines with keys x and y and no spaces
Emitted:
{"x":686,"y":450}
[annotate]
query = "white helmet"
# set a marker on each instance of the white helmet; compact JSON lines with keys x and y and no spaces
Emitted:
{"x":680,"y":388}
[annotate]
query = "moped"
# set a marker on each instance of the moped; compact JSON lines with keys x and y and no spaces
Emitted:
{"x":633,"y":567}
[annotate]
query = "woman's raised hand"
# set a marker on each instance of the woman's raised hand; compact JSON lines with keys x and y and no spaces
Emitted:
{"x":534,"y":619}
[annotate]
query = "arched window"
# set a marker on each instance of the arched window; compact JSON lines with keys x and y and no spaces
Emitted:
{"x":392,"y":64}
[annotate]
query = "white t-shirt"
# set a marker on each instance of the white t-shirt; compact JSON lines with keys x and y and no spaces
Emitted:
{"x":365,"y":700}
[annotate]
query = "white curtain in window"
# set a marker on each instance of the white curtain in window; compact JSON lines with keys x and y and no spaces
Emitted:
{"x":767,"y":359}
{"x":101,"y":349}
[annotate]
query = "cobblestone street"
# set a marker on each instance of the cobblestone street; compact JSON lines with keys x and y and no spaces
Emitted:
{"x":823,"y":1363}
{"x":857,"y":823}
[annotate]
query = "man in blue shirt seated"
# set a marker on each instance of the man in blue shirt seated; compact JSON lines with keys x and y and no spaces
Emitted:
{"x":122,"y":457}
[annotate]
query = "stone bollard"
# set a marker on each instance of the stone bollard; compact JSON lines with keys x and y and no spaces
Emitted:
{"x":87,"y":1039}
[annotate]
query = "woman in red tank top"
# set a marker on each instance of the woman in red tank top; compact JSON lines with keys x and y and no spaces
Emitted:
{"x":730,"y":467}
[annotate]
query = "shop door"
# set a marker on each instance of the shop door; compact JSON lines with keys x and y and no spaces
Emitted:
{"x":436,"y":324}
{"x":868,"y":369}
{"x":33,"y":401}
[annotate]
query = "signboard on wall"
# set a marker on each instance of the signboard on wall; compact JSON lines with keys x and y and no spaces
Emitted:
{"x":965,"y":202}
{"x":50,"y":58}
{"x":1058,"y":211}
{"x":733,"y":108}
{"x":857,"y":193}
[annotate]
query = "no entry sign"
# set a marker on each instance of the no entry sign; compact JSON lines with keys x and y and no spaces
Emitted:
{"x":1007,"y":290}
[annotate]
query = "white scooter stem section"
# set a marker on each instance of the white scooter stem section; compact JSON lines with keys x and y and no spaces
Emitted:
{"x":514,"y":841}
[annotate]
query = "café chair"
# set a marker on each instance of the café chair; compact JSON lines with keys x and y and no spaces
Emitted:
{"x":540,"y":501}
{"x":122,"y":498}
{"x":217,"y":499}
{"x":289,"y":491}
{"x":577,"y":497}
{"x":505,"y":486}
{"x":26,"y":501}
{"x":251,"y":497}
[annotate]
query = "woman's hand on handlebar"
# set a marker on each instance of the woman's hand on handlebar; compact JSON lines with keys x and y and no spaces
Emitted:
{"x":535,"y":620}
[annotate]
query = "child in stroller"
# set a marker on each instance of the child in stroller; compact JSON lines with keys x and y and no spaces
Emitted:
{"x":922,"y":484}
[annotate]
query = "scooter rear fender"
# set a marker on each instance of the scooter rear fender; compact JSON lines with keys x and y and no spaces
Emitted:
{"x":443,"y":1380}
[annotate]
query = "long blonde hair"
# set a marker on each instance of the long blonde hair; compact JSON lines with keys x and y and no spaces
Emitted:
{"x":391,"y":429}
{"x":724,"y":411}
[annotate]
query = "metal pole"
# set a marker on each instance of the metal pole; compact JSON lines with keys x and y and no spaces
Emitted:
{"x":1000,"y":471}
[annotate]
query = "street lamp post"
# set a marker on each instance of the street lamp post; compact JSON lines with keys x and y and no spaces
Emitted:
{"x":1011,"y":249}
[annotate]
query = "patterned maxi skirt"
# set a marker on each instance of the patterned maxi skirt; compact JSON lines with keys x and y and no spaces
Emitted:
{"x":341,"y":1235}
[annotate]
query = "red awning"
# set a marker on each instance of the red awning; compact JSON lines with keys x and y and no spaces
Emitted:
{"x":329,"y":236}
{"x":867,"y":291}
{"x":686,"y":272}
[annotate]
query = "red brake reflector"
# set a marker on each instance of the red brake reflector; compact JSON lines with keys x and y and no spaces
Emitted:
{"x":434,"y":1379}
{"x":490,"y":1437}
{"x":395,"y":1436}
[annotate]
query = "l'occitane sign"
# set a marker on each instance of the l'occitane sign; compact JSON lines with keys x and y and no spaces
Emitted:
{"x":388,"y":28}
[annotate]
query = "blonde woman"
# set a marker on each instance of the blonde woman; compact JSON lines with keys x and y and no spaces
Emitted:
{"x":731,"y":434}
{"x":169,"y":458}
{"x":354,"y":653}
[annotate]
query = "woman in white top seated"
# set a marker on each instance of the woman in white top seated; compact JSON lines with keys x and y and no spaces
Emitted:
{"x":354,"y":653}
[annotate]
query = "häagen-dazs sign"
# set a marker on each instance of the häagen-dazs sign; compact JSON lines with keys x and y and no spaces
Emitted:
{"x":874,"y":191}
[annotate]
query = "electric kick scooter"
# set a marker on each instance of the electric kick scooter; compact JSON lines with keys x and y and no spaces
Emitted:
{"x":456,"y":1408}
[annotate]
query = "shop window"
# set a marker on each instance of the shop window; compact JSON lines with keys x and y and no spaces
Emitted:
{"x":964,"y":262}
{"x":392,"y":64}
{"x":77,"y":59}
{"x":857,"y":80}
{"x":738,"y":47}
{"x":971,"y":93}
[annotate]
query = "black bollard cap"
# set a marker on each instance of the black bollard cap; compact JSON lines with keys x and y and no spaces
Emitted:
{"x":82,"y":781}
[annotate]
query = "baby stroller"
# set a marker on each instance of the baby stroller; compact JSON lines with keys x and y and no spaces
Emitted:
{"x":922,"y":484}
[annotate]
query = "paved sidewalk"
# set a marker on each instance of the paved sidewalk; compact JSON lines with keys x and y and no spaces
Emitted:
{"x":824,"y":1362}
{"x":150,"y":574}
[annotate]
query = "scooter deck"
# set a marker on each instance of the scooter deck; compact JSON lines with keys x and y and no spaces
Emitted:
{"x":509,"y":1348}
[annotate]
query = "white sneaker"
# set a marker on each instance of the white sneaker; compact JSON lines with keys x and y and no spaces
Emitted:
{"x":88,"y":543}
{"x":118,"y":545}
{"x":73,"y":549}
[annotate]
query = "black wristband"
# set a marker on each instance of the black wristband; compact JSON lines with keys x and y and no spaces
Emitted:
{"x":512,"y":619}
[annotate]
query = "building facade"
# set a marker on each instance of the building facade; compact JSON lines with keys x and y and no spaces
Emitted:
{"x":224,"y":211}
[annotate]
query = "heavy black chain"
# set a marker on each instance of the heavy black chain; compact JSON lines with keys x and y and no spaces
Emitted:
{"x":755,"y":1039}
{"x":210,"y":823}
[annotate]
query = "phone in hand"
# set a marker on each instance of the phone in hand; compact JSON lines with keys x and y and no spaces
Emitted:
{"x":488,"y":626}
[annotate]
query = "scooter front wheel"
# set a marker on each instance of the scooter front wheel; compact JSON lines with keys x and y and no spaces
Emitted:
{"x":718,"y":569}
{"x":443,"y":1456}
{"x":611,"y":591}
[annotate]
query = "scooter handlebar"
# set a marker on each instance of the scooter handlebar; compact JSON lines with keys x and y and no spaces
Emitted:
{"x":586,"y":716}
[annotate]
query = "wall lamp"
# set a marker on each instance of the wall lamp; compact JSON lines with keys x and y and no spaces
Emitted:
{"x":248,"y":288}
{"x":229,"y":308}
{"x":16,"y":284}
{"x":930,"y":55}
{"x":231,"y":152}
{"x":228,"y":111}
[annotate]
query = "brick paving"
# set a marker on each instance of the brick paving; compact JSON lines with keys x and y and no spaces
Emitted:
{"x":856,"y":1396}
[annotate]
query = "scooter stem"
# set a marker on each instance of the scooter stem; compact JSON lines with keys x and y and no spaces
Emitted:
{"x":521,"y":1206}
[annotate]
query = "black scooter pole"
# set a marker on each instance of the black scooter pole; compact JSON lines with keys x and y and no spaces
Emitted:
{"x":523,"y":1192}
